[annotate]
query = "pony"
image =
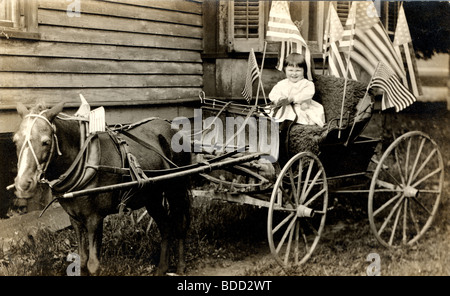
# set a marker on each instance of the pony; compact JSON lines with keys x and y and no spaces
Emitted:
{"x":48,"y":144}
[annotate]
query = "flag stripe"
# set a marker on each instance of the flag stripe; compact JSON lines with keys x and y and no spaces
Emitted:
{"x":395,"y":93}
{"x":252,"y":75}
{"x":362,"y":61}
{"x":388,"y":43}
{"x":412,"y":76}
{"x":281,"y":28}
{"x":402,"y":42}
{"x":376,"y":46}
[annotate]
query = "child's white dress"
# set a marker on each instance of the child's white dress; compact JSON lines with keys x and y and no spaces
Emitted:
{"x":298,"y":92}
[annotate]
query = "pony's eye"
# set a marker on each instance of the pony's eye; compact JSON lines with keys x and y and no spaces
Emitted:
{"x":46,"y":143}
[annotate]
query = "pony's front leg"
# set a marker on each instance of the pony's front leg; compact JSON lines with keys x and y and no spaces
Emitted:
{"x":83,"y":246}
{"x":95,"y":233}
{"x":181,"y":266}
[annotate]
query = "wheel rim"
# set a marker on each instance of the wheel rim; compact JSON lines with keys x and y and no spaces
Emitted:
{"x":405,"y":190}
{"x":297,"y":212}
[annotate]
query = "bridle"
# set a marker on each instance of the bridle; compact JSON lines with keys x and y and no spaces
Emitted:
{"x":41,"y":168}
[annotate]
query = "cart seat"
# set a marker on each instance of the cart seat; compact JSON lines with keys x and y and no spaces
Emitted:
{"x":329,"y":92}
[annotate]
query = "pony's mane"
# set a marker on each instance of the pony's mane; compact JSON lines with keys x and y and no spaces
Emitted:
{"x":40,"y":106}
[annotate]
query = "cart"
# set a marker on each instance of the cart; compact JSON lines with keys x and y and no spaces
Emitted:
{"x":403,"y":184}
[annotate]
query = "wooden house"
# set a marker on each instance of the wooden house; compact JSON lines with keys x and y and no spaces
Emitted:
{"x":137,"y":58}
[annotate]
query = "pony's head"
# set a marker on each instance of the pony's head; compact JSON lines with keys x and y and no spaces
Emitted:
{"x":36,"y":143}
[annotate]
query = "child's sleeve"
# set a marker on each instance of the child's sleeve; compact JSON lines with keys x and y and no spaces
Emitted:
{"x":276,"y":93}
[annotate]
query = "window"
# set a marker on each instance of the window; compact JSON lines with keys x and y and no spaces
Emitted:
{"x":246,"y":25}
{"x":342,"y":9}
{"x":18,"y":19}
{"x":388,"y":13}
{"x":389,"y":16}
{"x":8,"y":15}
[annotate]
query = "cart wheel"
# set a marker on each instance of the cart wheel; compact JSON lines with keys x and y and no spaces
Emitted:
{"x":297,"y":210}
{"x":405,"y":190}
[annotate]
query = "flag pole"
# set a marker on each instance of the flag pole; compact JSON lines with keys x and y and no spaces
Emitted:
{"x":352,"y":33}
{"x":326,"y":38}
{"x":260,"y":85}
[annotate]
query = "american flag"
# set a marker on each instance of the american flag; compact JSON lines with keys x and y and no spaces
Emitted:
{"x":252,"y":75}
{"x":280,"y":27}
{"x":334,"y":33}
{"x":403,"y":47}
{"x":395,"y":93}
{"x":371,"y":43}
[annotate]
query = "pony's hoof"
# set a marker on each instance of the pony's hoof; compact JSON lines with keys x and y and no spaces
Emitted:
{"x":181,"y":270}
{"x":160,"y":272}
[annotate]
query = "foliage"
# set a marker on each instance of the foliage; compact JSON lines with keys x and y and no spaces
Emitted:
{"x":429,"y":26}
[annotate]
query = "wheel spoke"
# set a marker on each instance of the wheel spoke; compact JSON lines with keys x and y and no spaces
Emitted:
{"x":390,"y":175}
{"x":288,"y":196}
{"x":283,"y":222}
{"x":424,"y":163}
{"x":311,"y":185}
{"x":397,"y":162}
{"x":296,"y":249}
{"x":413,"y":218}
{"x":389,"y":216}
{"x":395,"y":225}
{"x":421,"y":205}
{"x":299,"y":178}
{"x":293,"y":188}
{"x":308,"y":174}
{"x":316,"y":233}
{"x":427,"y":176}
{"x":386,"y":204}
{"x":315,"y":196}
{"x":416,"y":160}
{"x":408,"y":149}
{"x":405,"y":213}
{"x":283,"y":238}
{"x":305,"y":240}
{"x":288,"y":248}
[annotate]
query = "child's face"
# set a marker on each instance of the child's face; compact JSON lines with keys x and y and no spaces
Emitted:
{"x":294,"y":74}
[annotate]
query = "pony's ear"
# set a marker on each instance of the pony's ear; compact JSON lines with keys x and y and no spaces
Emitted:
{"x":55,"y":110}
{"x":22,"y":110}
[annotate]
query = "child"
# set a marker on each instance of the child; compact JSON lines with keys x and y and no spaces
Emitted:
{"x":292,"y":97}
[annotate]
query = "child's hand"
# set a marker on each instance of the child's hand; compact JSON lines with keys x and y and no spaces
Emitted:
{"x":284,"y":101}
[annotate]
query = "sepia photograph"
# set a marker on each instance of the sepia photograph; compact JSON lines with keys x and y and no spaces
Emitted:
{"x":235,"y":143}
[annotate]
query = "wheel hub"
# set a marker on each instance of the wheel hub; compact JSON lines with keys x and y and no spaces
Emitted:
{"x":303,"y":211}
{"x":410,"y":191}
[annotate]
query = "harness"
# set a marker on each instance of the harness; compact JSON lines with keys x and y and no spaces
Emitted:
{"x":87,"y":162}
{"x":41,"y":168}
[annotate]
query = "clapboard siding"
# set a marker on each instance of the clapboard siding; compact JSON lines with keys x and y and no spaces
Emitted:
{"x":87,"y":51}
{"x":98,"y":96}
{"x":119,"y":24}
{"x":98,"y":37}
{"x":187,"y":6}
{"x":126,"y":52}
{"x":34,"y":80}
{"x":94,"y":66}
{"x":188,"y":16}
